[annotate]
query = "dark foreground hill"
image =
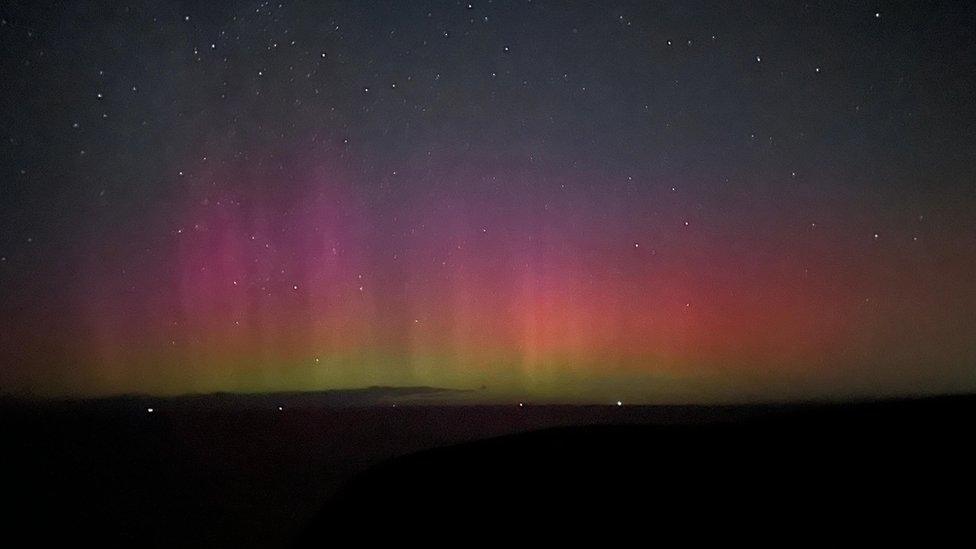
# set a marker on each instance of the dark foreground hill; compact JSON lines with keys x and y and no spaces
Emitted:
{"x":201,"y":473}
{"x":822,"y":472}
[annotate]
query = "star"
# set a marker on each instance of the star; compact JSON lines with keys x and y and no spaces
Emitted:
{"x":319,"y":157}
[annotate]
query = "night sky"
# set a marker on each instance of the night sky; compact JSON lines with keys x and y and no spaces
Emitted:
{"x":536,"y":200}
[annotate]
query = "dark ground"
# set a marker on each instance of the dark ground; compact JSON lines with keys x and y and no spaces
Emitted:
{"x":258,"y":477}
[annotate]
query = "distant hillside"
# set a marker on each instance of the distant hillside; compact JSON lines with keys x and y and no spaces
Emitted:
{"x":366,"y":396}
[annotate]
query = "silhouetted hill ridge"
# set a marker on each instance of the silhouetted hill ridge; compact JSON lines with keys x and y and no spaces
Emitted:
{"x":812,"y":467}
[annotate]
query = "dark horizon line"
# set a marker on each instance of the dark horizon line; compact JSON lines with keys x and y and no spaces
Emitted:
{"x":377,"y":396}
